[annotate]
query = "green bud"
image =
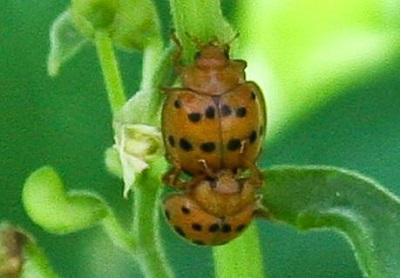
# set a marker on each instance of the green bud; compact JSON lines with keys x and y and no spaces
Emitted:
{"x":94,"y":15}
{"x":136,"y":24}
{"x":131,"y":24}
{"x":49,"y":206}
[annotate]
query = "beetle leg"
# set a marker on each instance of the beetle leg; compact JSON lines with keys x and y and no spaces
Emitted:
{"x":260,"y":211}
{"x":242,"y":146}
{"x":171,"y":178}
{"x":206,"y":169}
{"x":194,"y":181}
{"x":256,"y":177}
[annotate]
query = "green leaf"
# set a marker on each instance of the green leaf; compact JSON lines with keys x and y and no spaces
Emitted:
{"x":317,"y":197}
{"x":49,"y":206}
{"x":65,"y":42}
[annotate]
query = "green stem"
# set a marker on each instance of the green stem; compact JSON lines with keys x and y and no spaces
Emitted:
{"x":151,"y":59}
{"x":199,"y":21}
{"x":110,"y":69}
{"x":151,"y":78}
{"x":145,"y":105}
{"x":118,"y":235}
{"x":240,"y":258}
{"x":149,"y":251}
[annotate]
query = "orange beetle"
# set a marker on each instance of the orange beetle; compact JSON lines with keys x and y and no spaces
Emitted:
{"x":213,"y":128}
{"x":214,"y":210}
{"x":216,"y":120}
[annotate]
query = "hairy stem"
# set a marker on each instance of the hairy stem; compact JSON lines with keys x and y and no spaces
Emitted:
{"x":119,"y":236}
{"x":110,"y":69}
{"x":144,"y":243}
{"x":152,"y":77}
{"x":149,"y":251}
{"x":240,"y":258}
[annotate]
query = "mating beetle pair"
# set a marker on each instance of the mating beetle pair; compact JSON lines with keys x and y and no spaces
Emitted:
{"x":213,"y":129}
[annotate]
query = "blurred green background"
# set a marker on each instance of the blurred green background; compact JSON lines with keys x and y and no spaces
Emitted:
{"x":331,"y":75}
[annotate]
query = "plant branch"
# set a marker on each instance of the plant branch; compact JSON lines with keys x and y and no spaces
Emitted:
{"x":149,"y":251}
{"x":152,"y":77}
{"x":110,"y":69}
{"x":118,"y":235}
{"x":240,"y":258}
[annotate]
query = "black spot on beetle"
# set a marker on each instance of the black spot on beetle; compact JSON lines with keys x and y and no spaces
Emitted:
{"x":253,"y":95}
{"x":179,"y":231}
{"x":185,"y":210}
{"x":197,"y":55}
{"x":194,"y":117}
{"x":171,"y":140}
{"x":226,"y":53}
{"x":213,"y":228}
{"x":234,"y":144}
{"x":197,"y":227}
{"x":241,"y":112}
{"x":226,"y":228}
{"x":210,"y":112}
{"x":167,"y":214}
{"x":177,"y":103}
{"x":207,"y":147}
{"x":253,"y":136}
{"x":198,"y":242}
{"x":225,"y":110}
{"x":185,"y":145}
{"x":212,"y":181}
{"x":240,"y":228}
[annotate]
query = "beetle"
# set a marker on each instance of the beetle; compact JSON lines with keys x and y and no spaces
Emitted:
{"x":214,"y":210}
{"x":215,"y":120}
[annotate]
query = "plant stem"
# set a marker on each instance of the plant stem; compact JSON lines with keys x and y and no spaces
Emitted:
{"x":119,"y":236}
{"x":199,"y":21}
{"x":151,"y":78}
{"x":110,"y":69}
{"x":144,"y":243}
{"x":149,"y":251}
{"x":240,"y":258}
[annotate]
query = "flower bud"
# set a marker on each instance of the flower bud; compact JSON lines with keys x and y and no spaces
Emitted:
{"x":131,"y":24}
{"x":94,"y":15}
{"x":137,"y":145}
{"x":136,"y":24}
{"x":12,"y":243}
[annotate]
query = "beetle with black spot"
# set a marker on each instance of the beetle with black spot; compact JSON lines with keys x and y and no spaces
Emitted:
{"x":213,"y":129}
